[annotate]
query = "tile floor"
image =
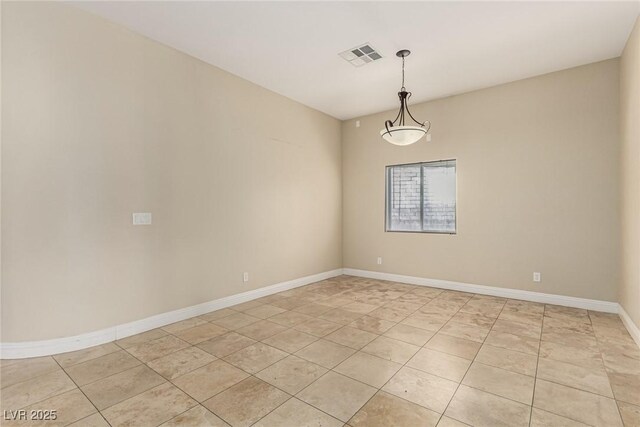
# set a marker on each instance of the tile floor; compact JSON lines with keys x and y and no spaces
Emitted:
{"x":348,"y":351}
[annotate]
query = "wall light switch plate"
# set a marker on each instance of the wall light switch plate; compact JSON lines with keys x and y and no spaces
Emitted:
{"x":428,"y":137}
{"x":245,"y":277}
{"x":536,"y":276}
{"x":142,"y":218}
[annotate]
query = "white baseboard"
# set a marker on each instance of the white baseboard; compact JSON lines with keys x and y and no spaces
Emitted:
{"x":589,"y":304}
{"x":20,"y":350}
{"x":633,"y":329}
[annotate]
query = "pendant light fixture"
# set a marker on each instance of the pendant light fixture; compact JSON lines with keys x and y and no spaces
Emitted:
{"x":396,"y":132}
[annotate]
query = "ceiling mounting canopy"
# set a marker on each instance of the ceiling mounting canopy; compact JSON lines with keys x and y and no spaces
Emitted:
{"x":395,"y":131}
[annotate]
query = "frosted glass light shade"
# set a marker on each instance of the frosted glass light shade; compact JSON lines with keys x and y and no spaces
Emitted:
{"x":403,"y":135}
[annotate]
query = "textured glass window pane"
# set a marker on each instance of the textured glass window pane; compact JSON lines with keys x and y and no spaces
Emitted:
{"x":404,"y":198}
{"x":439,"y":197}
{"x":422,"y":197}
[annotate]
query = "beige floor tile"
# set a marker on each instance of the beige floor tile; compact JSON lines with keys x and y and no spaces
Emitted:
{"x":521,"y":317}
{"x":513,"y":361}
{"x":462,"y":330}
{"x":313,"y":309}
{"x":473,"y":319}
{"x":290,"y":303}
{"x":540,"y":418}
{"x":264,"y":311}
{"x":210,"y":380}
{"x":485,"y":308}
{"x":569,"y":338}
{"x":626,"y":387}
{"x":450,"y":422}
{"x":501,"y":382}
{"x":150,"y":408}
{"x":317,"y":327}
{"x":390,"y":314}
{"x":563,"y":325}
{"x":22,"y":394}
{"x":576,"y":404}
{"x":409,"y":334}
{"x":184,"y":324}
{"x":119,"y":387}
{"x":226,"y":344}
{"x":95,"y":420}
{"x":429,"y":321}
{"x":295,"y":413}
{"x":620,"y":363}
{"x":153,"y":334}
{"x":590,"y":379}
{"x":181,"y":362}
{"x":290,"y":340}
{"x":513,"y":342}
{"x":390,"y":349}
{"x":337,"y":395}
{"x":256,"y":357}
{"x":517,"y":328}
{"x":441,"y":364}
{"x":70,"y":406}
{"x":218,"y":314}
{"x":384,"y":410}
{"x":155,"y":349}
{"x":198,"y":416}
{"x":235,"y":321}
{"x":580,"y":356}
{"x":630,"y":414}
{"x":25,"y":369}
{"x":261,"y":330}
{"x":422,"y":388}
{"x":372,"y":324}
{"x":247,"y":305}
{"x":567,"y":313}
{"x":368,"y":369}
{"x":351,"y":337}
{"x":335,"y":301}
{"x":338,"y":315}
{"x":246,"y":402}
{"x":453,"y":345}
{"x":101,"y":367}
{"x":359,"y":307}
{"x":67,"y":359}
{"x":427,"y":291}
{"x":291,"y":374}
{"x":200,"y":333}
{"x":478,"y":408}
{"x":290,"y":318}
{"x":325,"y":353}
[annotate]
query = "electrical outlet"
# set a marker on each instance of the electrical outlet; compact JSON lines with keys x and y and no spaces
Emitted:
{"x":357,"y":123}
{"x":245,"y":277}
{"x":379,"y":260}
{"x":428,"y":137}
{"x":536,"y":276}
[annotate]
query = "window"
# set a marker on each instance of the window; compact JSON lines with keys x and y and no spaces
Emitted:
{"x":421,"y":197}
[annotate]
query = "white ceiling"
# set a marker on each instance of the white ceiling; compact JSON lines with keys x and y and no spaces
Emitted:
{"x":292,"y":47}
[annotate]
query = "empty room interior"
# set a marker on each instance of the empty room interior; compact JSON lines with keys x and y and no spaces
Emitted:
{"x":309,"y":213}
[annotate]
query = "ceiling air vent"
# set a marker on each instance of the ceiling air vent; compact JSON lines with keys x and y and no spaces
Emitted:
{"x":361,"y":55}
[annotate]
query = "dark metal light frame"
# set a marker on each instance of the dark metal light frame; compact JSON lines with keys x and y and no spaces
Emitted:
{"x":404,"y":95}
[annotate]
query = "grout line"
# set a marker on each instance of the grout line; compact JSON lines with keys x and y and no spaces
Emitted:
{"x":82,"y":391}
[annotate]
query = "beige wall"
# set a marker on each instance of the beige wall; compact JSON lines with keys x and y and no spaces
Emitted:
{"x":99,"y":122}
{"x":630,"y":176}
{"x":538,"y":164}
